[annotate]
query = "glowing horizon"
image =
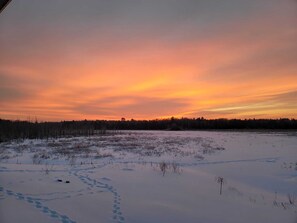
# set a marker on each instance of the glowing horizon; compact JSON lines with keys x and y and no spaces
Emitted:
{"x":148,"y":59}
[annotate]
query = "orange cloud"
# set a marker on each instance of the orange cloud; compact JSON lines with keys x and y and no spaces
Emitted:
{"x":229,"y":71}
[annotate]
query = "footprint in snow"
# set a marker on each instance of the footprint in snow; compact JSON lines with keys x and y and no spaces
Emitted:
{"x":37,"y":204}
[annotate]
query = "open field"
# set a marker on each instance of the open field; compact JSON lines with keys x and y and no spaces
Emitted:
{"x":151,"y":176}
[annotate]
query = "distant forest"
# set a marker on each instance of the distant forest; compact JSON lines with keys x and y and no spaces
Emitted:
{"x":27,"y":129}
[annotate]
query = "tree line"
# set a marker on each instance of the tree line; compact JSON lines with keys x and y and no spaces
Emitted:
{"x":26,"y":129}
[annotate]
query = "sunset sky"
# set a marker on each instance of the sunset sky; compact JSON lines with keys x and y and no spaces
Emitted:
{"x":147,"y":59}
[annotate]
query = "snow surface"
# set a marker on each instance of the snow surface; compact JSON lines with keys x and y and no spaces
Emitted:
{"x":151,"y":176}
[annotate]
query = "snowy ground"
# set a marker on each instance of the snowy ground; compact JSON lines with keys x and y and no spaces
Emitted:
{"x":151,"y":177}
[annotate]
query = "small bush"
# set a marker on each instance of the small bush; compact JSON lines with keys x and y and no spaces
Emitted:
{"x":291,"y":198}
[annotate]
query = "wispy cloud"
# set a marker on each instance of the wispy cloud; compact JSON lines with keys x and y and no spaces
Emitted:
{"x":267,"y":105}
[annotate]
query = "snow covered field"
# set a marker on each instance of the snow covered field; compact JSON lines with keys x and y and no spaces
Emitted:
{"x":151,"y":177}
